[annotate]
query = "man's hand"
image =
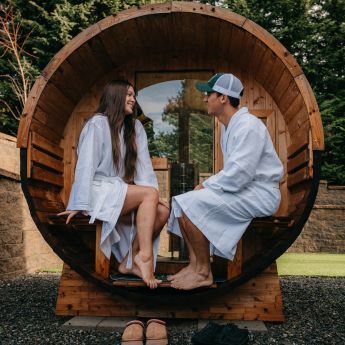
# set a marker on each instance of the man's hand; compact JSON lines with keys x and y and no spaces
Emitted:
{"x":199,"y":186}
{"x":71,"y":214}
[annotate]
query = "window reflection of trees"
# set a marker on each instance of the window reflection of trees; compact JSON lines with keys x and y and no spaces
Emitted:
{"x":190,"y":139}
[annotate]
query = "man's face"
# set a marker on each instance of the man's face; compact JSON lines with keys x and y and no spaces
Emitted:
{"x":214,"y":103}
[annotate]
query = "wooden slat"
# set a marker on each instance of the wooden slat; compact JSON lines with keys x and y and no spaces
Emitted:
{"x":298,"y":177}
{"x":274,"y":223}
{"x":235,"y":267}
{"x":298,"y":144}
{"x":46,"y":176}
{"x":298,"y":161}
{"x":101,"y":262}
{"x":313,"y":113}
{"x":160,"y":163}
{"x":40,"y":192}
{"x":44,"y":131}
{"x":48,"y":206}
{"x":266,"y":38}
{"x":258,"y":298}
{"x":46,"y":160}
{"x":46,"y":145}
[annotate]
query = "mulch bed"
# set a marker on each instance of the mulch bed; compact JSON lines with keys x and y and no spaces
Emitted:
{"x":314,"y":310}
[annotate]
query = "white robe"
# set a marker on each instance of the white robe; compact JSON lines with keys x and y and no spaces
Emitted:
{"x":99,"y":190}
{"x":247,"y":187}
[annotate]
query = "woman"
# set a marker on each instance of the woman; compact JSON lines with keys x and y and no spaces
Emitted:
{"x":114,"y":178}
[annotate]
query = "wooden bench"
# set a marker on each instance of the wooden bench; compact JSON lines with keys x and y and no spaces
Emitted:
{"x":81,"y":222}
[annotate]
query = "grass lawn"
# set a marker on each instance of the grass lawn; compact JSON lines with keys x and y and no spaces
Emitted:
{"x":311,"y":264}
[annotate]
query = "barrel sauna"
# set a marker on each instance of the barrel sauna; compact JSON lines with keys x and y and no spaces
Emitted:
{"x":179,"y":40}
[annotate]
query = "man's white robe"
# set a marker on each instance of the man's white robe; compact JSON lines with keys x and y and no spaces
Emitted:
{"x":247,"y":187}
{"x":99,"y":190}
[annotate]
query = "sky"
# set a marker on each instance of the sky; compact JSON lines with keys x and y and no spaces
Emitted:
{"x":153,"y":99}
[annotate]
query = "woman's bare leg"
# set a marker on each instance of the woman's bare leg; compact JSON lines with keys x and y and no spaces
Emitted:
{"x":145,"y":201}
{"x":161,"y":219}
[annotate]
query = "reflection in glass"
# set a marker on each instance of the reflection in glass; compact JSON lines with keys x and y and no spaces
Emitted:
{"x":179,"y":127}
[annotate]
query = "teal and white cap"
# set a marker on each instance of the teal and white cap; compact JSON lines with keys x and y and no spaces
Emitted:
{"x":224,"y":83}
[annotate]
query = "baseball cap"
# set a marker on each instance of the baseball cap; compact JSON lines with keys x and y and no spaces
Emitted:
{"x":224,"y":83}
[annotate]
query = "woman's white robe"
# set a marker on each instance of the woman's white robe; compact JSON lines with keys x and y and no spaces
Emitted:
{"x":99,"y":190}
{"x":247,"y":186}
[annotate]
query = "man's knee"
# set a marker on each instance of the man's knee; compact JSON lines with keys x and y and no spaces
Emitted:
{"x":163,"y":213}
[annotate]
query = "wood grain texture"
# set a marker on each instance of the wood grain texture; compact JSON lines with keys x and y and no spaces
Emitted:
{"x":258,"y":299}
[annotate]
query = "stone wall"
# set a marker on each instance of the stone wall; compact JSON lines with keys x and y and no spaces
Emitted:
{"x":22,"y":248}
{"x":325,"y":228}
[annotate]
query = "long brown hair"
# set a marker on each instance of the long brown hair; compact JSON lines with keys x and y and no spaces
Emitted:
{"x":112,"y":105}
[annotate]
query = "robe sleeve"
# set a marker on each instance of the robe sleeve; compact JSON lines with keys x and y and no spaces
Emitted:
{"x":89,"y":157}
{"x":145,"y":175}
{"x":241,"y":161}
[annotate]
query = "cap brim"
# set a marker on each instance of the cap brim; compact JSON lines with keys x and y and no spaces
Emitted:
{"x":203,"y":87}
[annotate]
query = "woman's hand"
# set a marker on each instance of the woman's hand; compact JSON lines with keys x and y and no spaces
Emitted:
{"x":70,"y":214}
{"x":164,"y":203}
{"x":199,"y":186}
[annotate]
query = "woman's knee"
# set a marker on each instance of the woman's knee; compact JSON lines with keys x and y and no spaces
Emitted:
{"x":152,"y":195}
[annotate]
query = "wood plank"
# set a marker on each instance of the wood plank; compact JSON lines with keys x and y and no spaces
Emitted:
{"x":265,"y":37}
{"x":235,"y":267}
{"x":48,"y":206}
{"x":274,"y":76}
{"x":41,"y":192}
{"x":46,"y":145}
{"x":248,"y":301}
{"x":28,"y":157}
{"x":298,"y":177}
{"x":160,"y":163}
{"x":44,"y":131}
{"x":313,"y":112}
{"x":299,"y":143}
{"x":46,"y":176}
{"x":101,"y":261}
{"x":297,"y":162}
{"x":299,"y":123}
{"x":51,"y":122}
{"x":288,"y":97}
{"x":266,"y":67}
{"x":293,"y":108}
{"x":47,"y":160}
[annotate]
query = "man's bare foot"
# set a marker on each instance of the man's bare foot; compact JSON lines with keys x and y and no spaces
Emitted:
{"x":193,"y":280}
{"x":145,"y":265}
{"x":186,"y":270}
{"x":134,"y":270}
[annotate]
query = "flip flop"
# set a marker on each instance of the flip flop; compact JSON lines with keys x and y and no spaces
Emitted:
{"x":133,"y":333}
{"x":156,"y":332}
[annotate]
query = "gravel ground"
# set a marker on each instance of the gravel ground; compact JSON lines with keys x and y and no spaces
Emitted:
{"x":314,"y":309}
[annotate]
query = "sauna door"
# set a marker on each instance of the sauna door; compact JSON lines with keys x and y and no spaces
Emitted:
{"x":179,"y":131}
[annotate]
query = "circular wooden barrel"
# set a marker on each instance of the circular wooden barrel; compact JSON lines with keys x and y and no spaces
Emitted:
{"x":172,"y":37}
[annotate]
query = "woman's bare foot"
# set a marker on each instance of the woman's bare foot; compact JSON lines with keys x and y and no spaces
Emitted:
{"x":145,"y":265}
{"x":186,"y":270}
{"x":134,"y":270}
{"x":193,"y":280}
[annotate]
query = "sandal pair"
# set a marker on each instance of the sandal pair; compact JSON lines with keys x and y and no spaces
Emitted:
{"x":156,"y":333}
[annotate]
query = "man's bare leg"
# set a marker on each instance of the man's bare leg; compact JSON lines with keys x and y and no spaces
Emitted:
{"x":201,"y":275}
{"x":192,"y":258}
{"x":145,"y":201}
{"x":161,"y":219}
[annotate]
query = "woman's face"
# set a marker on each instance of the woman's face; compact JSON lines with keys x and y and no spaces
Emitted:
{"x":130,"y":101}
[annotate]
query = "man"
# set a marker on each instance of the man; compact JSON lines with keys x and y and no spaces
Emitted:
{"x":214,"y":216}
